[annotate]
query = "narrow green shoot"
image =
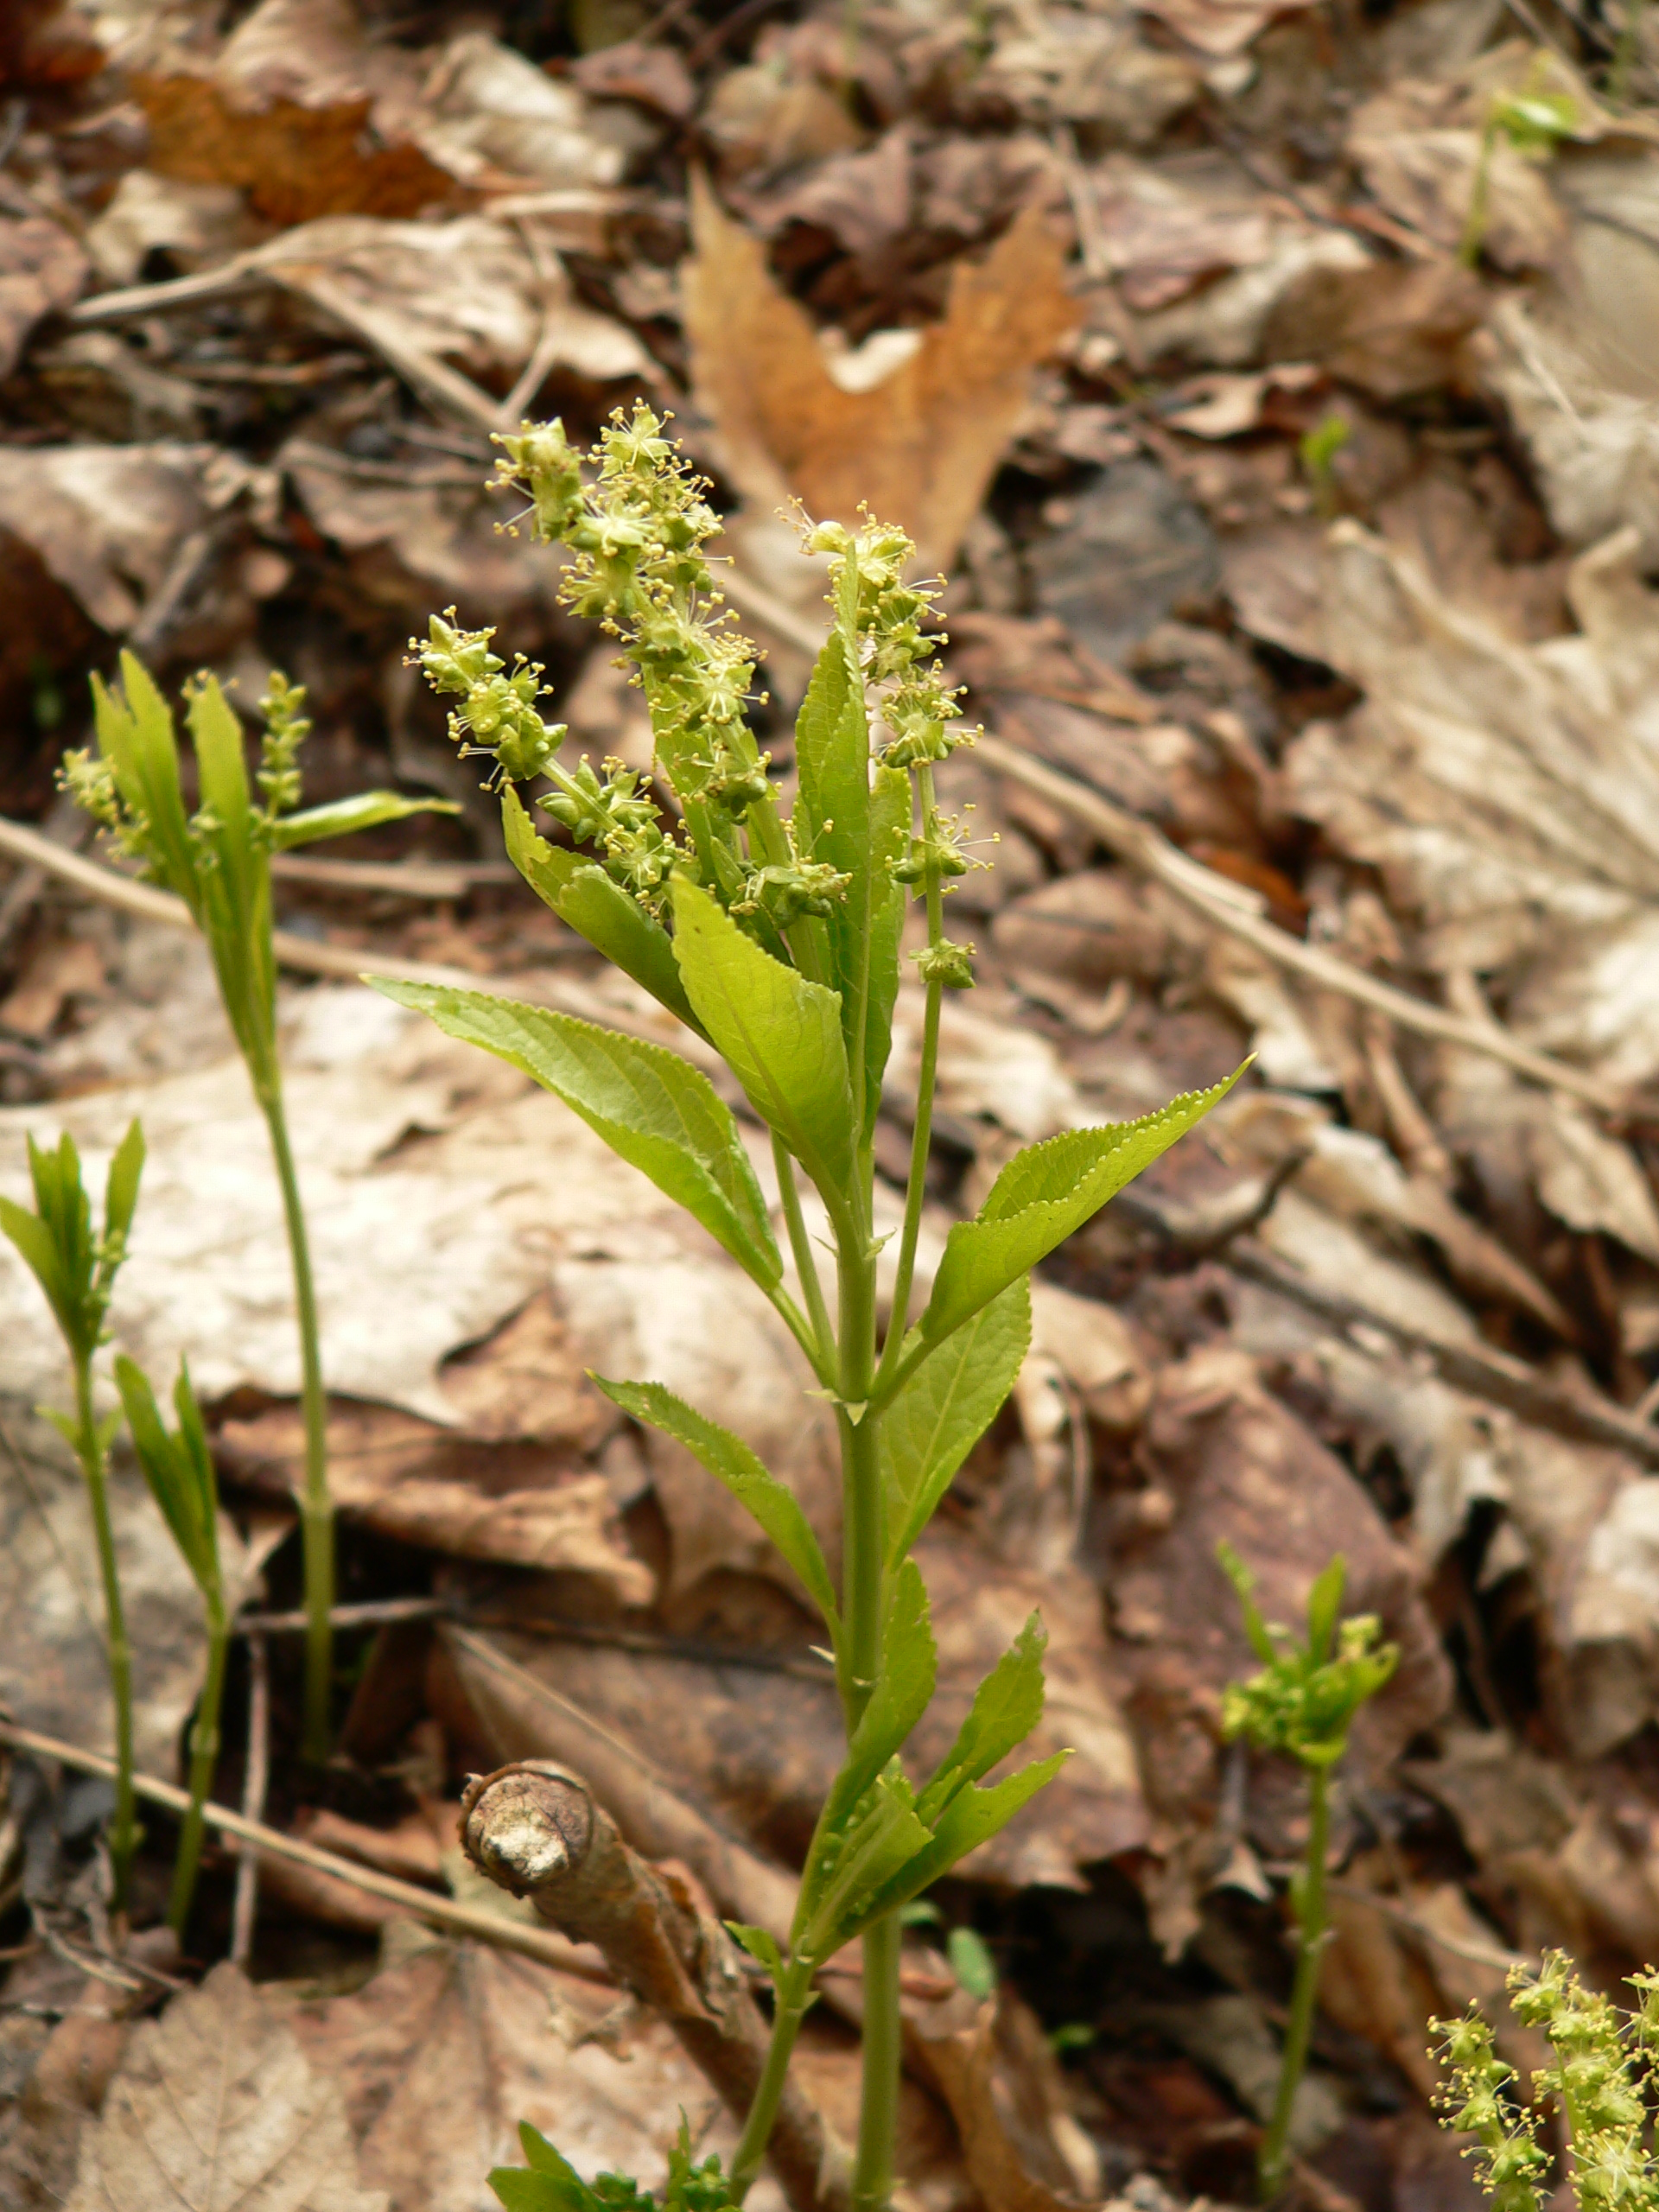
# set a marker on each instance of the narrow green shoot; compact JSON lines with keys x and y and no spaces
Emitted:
{"x":1533,"y":122}
{"x":77,"y":1271}
{"x":775,"y":937}
{"x":1317,"y":449}
{"x":1303,"y":1703}
{"x":218,"y":860}
{"x":178,"y":1465}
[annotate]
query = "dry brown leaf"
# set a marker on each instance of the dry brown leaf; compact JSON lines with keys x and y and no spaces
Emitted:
{"x":1393,"y":329}
{"x":106,"y":521}
{"x":1220,"y":26}
{"x":991,"y":2063}
{"x":1507,"y":794}
{"x":423,"y":1485}
{"x":921,"y":444}
{"x":300,"y":112}
{"x":1071,"y":65}
{"x":216,"y":2105}
{"x":41,"y":271}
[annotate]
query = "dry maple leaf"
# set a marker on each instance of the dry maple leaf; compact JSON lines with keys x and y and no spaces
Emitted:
{"x":920,"y":445}
{"x":217,"y":2107}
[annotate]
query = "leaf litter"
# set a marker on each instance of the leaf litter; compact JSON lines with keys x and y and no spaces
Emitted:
{"x":1268,"y":518}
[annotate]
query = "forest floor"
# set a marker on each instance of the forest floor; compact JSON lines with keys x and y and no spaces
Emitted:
{"x":1276,"y":386}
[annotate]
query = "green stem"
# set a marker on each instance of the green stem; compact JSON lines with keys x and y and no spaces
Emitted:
{"x":1474,"y":226}
{"x":877,"y":2111}
{"x":316,"y":1505}
{"x":1275,"y":2157}
{"x":922,"y":1133}
{"x":124,"y":1833}
{"x":800,"y":1244}
{"x":204,"y":1756}
{"x":863,"y":1589}
{"x":793,"y":1998}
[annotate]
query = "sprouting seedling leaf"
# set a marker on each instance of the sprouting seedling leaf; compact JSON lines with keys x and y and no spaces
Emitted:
{"x":971,"y":1962}
{"x":1304,"y":1700}
{"x":1532,"y":121}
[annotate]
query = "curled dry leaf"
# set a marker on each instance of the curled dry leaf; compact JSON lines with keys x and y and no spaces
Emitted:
{"x":106,"y":521}
{"x":920,"y":442}
{"x":214,"y":2105}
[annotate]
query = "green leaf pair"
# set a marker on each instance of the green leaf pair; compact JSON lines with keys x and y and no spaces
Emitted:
{"x":879,"y":1843}
{"x":74,"y":1268}
{"x":548,"y":2183}
{"x":178,"y":1466}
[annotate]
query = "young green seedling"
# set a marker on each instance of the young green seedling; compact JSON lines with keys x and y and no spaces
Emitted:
{"x":775,"y":939}
{"x":1303,"y":1703}
{"x":77,"y":1271}
{"x":1317,"y":450}
{"x":179,"y":1467}
{"x":217,"y":862}
{"x":1601,"y":2081}
{"x":1533,"y":122}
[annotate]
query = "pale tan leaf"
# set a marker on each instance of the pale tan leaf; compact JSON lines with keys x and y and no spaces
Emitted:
{"x":217,"y":2107}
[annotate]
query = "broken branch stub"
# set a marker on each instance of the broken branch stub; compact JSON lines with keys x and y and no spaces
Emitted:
{"x":537,"y":1830}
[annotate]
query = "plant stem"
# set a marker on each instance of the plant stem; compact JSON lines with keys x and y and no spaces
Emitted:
{"x":878,"y":2111}
{"x":863,"y":1520}
{"x":1274,"y":2157}
{"x":89,"y":1449}
{"x":922,"y":1133}
{"x":793,"y":1997}
{"x":800,"y":1244}
{"x":204,"y":1756}
{"x":316,"y":1506}
{"x":1474,"y":226}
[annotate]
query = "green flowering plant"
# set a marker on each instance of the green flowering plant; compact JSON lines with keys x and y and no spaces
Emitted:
{"x":1601,"y":2081}
{"x":1302,"y":1703}
{"x":775,"y":936}
{"x":217,"y":859}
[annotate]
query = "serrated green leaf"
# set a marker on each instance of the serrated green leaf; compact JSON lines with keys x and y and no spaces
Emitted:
{"x":655,"y":1109}
{"x":730,"y":1461}
{"x":1043,"y":1195}
{"x":946,"y":1407}
{"x":584,"y":897}
{"x":342,"y":817}
{"x":779,"y":1033}
{"x":1006,"y":1707}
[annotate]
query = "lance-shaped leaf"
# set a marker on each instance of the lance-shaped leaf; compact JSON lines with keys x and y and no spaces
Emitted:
{"x":136,"y":737}
{"x":730,"y":1461}
{"x":584,"y":897}
{"x":1044,"y":1194}
{"x":779,"y":1033}
{"x":343,"y":817}
{"x":946,"y":1407}
{"x":75,"y":1269}
{"x":661,"y":1115}
{"x":1006,"y":1707}
{"x":178,"y":1466}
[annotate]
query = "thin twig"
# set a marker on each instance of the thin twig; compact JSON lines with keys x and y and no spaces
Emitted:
{"x":375,"y":1612}
{"x":440,"y":1912}
{"x":244,"y":1909}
